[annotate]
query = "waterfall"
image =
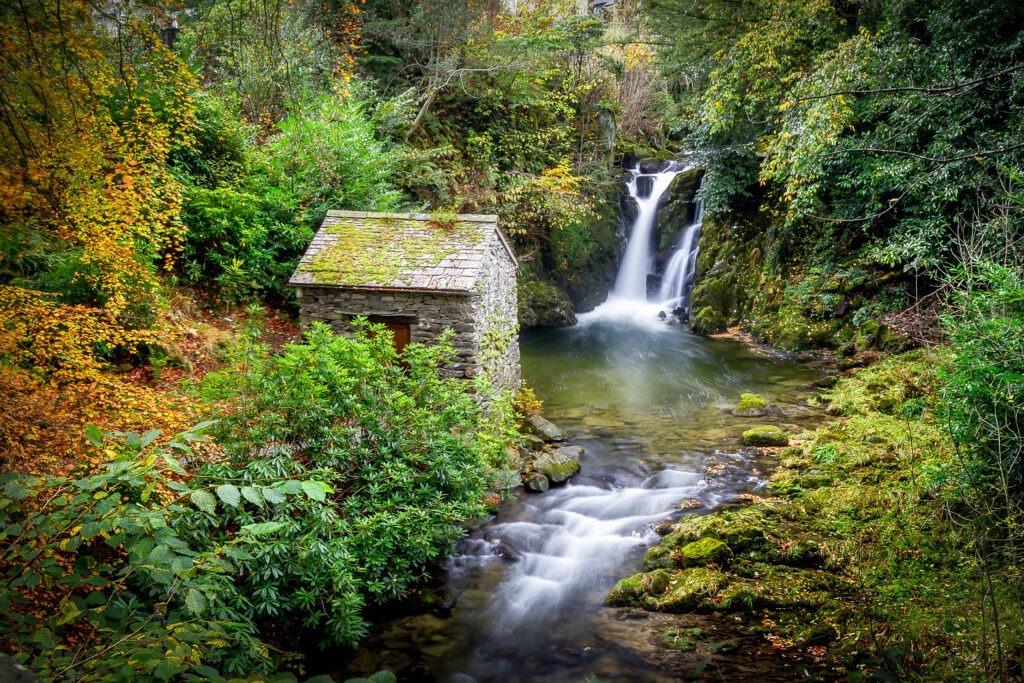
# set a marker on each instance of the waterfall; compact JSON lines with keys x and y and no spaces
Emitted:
{"x":637,"y":262}
{"x":675,"y":284}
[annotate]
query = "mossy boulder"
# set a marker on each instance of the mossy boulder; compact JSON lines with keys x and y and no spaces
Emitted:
{"x":743,"y":530}
{"x":559,"y":464}
{"x":660,"y":557}
{"x":708,"y":321}
{"x":634,"y":589}
{"x":703,"y":552}
{"x":765,"y":435}
{"x":543,"y":304}
{"x":688,"y":590}
{"x":751,"y":405}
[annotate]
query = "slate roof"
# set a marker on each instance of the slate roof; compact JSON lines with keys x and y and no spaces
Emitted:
{"x":367,"y":250}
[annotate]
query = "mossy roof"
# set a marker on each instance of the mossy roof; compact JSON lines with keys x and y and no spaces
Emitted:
{"x":368,"y":250}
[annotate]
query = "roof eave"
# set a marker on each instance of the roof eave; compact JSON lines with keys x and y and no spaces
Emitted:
{"x":375,"y":288}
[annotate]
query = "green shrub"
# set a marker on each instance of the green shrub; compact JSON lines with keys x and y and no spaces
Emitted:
{"x":412,"y":452}
{"x":112,"y":555}
{"x":246,"y":243}
{"x":328,"y":156}
{"x":983,"y":401}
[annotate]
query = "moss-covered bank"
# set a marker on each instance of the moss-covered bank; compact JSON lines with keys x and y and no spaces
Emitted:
{"x":855,"y":565}
{"x":836,"y":297}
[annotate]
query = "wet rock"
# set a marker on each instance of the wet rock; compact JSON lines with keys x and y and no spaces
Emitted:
{"x":751,"y":405}
{"x":827,"y":382}
{"x":559,"y":464}
{"x":703,"y":552}
{"x":543,"y":428}
{"x":767,"y":435}
{"x":537,"y":482}
{"x":664,"y":528}
{"x":688,"y":590}
{"x":631,"y":590}
{"x":653,"y":165}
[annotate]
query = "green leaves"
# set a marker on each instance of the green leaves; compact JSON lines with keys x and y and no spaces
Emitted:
{"x":316,"y":490}
{"x":229,"y":494}
{"x":205,"y":501}
{"x":263,"y":528}
{"x":195,"y":602}
{"x":275,"y":494}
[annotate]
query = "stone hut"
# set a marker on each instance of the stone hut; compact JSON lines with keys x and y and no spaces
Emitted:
{"x":418,"y":277}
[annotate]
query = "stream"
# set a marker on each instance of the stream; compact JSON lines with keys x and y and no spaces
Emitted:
{"x":651,"y":405}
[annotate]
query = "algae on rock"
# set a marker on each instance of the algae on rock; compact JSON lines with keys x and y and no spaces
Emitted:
{"x":765,"y":435}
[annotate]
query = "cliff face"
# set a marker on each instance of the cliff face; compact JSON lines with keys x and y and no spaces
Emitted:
{"x":792,"y":301}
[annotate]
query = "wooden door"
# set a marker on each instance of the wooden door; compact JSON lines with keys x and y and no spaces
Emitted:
{"x":401,"y":329}
{"x":402,"y":334}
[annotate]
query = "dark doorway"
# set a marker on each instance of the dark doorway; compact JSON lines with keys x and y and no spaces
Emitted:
{"x":401,"y":329}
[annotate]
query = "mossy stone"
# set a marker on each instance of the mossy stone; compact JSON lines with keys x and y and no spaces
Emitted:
{"x":751,"y":405}
{"x":688,"y":590}
{"x":743,"y":530}
{"x":631,"y":590}
{"x":703,"y":552}
{"x":626,"y":592}
{"x":543,"y":304}
{"x":559,"y":465}
{"x":707,"y":321}
{"x":659,"y":557}
{"x":765,"y":435}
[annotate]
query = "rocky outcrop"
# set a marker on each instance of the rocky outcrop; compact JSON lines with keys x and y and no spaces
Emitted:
{"x":547,"y":459}
{"x":543,"y":304}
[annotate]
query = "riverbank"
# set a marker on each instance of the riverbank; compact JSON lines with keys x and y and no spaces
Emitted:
{"x":851,"y":565}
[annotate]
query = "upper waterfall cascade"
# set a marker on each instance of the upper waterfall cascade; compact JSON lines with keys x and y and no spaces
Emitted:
{"x":678,"y":278}
{"x":638,"y":261}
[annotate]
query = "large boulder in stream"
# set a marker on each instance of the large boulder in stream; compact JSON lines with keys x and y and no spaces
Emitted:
{"x":751,"y":405}
{"x":767,"y":435}
{"x":536,"y":482}
{"x":545,"y":429}
{"x":559,"y":464}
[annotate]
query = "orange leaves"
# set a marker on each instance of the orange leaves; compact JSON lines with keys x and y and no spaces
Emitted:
{"x":57,"y":342}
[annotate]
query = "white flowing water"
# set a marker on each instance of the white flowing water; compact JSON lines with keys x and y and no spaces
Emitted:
{"x":638,"y":261}
{"x":678,"y":278}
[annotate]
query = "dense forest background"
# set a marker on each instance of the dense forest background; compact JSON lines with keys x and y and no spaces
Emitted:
{"x":863,"y":161}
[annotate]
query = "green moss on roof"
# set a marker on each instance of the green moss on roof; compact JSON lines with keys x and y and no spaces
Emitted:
{"x":383,"y":256}
{"x":396,"y":250}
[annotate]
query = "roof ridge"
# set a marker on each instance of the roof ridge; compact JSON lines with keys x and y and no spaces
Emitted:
{"x":464,"y":217}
